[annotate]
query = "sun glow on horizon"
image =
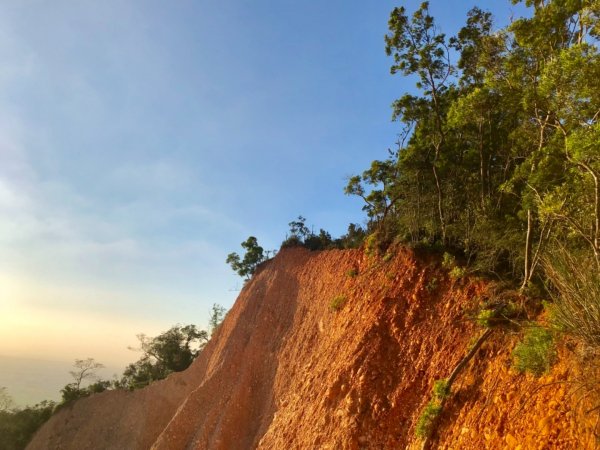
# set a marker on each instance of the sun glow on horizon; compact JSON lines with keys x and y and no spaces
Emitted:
{"x":40,"y":330}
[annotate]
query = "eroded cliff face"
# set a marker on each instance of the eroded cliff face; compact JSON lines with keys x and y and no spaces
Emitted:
{"x":286,"y":371}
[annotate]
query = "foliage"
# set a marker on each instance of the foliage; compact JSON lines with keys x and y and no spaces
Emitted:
{"x":457,"y":272}
{"x":427,"y":419}
{"x":576,"y":307}
{"x":84,"y":371}
{"x":337,"y":302}
{"x":448,"y":261}
{"x":486,"y":318}
{"x":18,"y":425}
{"x":432,"y":285}
{"x":217,"y":314}
{"x":171,"y":351}
{"x":301,"y":236}
{"x":371,"y":247}
{"x":536,"y":353}
{"x":498,"y":154}
{"x":429,"y":415}
{"x":254,"y":255}
{"x":454,"y":270}
{"x":441,"y":389}
{"x":353,"y":238}
{"x":501,"y":312}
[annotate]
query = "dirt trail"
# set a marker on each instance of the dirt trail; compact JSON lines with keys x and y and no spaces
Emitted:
{"x":286,"y":371}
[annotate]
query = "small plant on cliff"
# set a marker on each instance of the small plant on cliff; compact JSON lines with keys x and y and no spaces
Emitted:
{"x":457,"y":272}
{"x":432,"y":285}
{"x":427,"y":419}
{"x":429,"y":415}
{"x":454,"y":270}
{"x":536,"y":353}
{"x":352,"y":272}
{"x":337,"y":302}
{"x":441,"y":389}
{"x":448,"y":261}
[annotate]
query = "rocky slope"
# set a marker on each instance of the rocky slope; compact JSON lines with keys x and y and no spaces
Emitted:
{"x":287,"y":371}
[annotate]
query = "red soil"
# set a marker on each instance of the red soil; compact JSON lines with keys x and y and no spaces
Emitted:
{"x":286,"y":371}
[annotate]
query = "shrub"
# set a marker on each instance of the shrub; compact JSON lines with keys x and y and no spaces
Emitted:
{"x":292,"y":241}
{"x":354,"y":238}
{"x":448,"y":261}
{"x":352,"y":272}
{"x":454,"y":270}
{"x":457,"y":272}
{"x":371,"y":244}
{"x":486,"y":318}
{"x":337,"y":302}
{"x":429,"y":415}
{"x":576,"y":308}
{"x":441,"y":389}
{"x":388,"y":257}
{"x":17,"y":426}
{"x":536,"y":353}
{"x":432,"y":285}
{"x":427,"y":419}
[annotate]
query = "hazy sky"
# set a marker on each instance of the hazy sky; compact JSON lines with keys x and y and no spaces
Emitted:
{"x":142,"y":141}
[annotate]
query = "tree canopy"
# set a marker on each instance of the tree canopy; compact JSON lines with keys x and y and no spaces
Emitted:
{"x":499,"y":155}
{"x":171,"y":351}
{"x":254,"y":255}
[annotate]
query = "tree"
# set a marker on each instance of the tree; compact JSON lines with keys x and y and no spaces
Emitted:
{"x":254,"y":256}
{"x":18,"y":425}
{"x":85,"y":370}
{"x":418,"y":48}
{"x":171,"y":351}
{"x":217,"y":314}
{"x":499,"y":154}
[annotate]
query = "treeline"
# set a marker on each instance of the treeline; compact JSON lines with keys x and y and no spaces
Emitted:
{"x":499,"y":158}
{"x":299,"y":236}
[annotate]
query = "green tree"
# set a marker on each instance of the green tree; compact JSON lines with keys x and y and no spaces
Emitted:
{"x":217,"y":314}
{"x":418,"y":48}
{"x":254,"y":255}
{"x":18,"y":425}
{"x":171,"y":351}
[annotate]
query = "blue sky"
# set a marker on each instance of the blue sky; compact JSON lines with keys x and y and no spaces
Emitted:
{"x":142,"y":141}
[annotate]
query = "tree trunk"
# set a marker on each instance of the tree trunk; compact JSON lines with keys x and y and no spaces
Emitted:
{"x":440,"y":199}
{"x":528,"y":239}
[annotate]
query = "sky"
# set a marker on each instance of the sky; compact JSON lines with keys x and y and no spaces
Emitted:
{"x":141,"y":141}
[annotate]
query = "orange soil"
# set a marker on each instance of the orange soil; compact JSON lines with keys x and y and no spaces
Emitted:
{"x":286,"y":371}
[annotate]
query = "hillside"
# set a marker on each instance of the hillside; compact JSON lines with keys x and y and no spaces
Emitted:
{"x":285,"y":370}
